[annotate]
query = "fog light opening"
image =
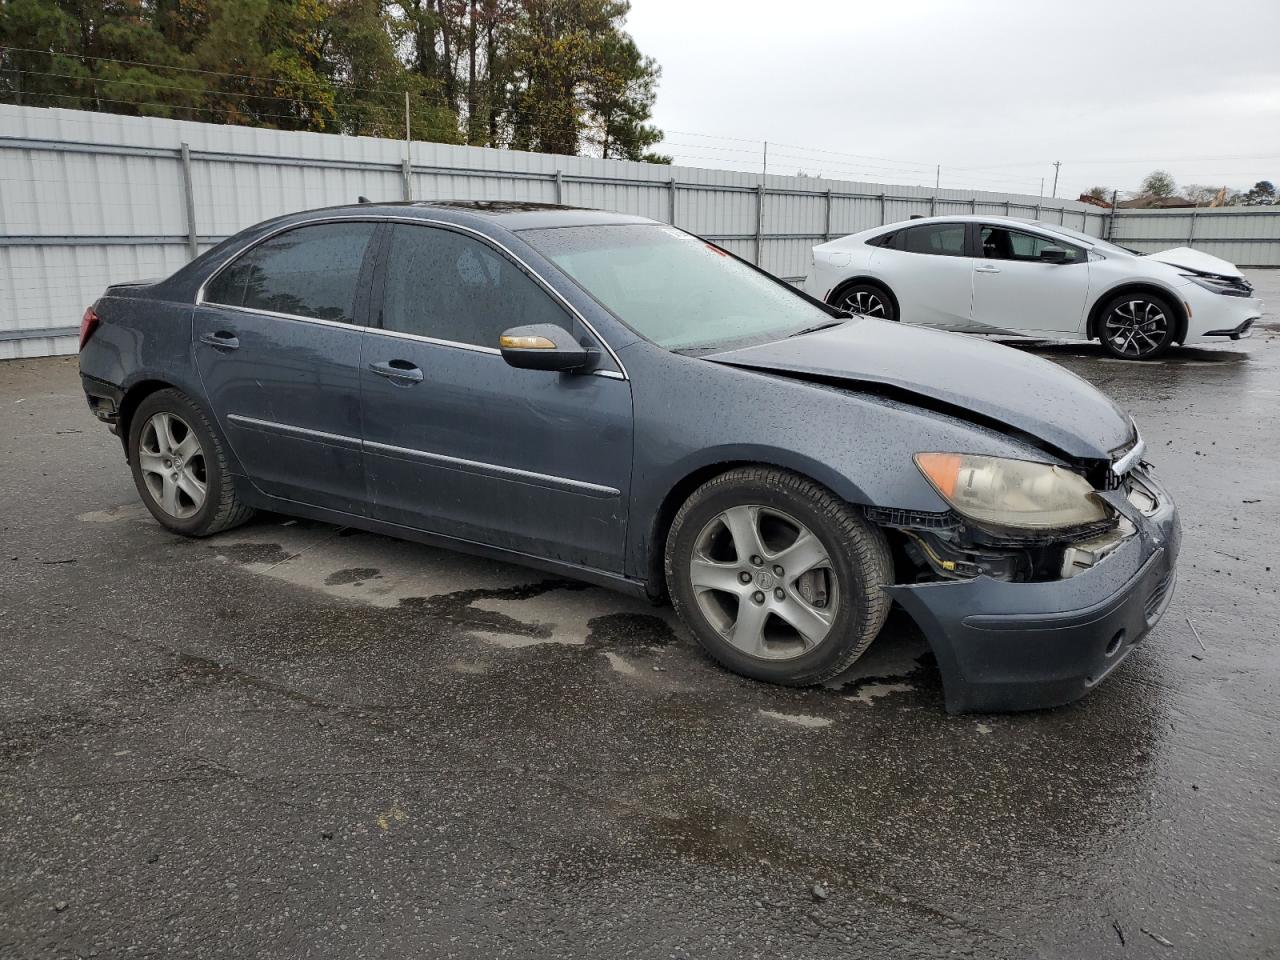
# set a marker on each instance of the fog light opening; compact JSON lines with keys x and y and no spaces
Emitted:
{"x":1114,"y":645}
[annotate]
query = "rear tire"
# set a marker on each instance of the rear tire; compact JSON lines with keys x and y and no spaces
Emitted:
{"x":865,"y":299}
{"x":779,"y":579}
{"x":180,"y":467}
{"x":1137,"y":326}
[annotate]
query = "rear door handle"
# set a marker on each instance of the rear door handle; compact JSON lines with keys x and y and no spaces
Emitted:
{"x":398,"y":371}
{"x":985,"y":268}
{"x":221,"y":340}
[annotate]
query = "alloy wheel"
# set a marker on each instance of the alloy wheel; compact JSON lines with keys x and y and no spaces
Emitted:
{"x":765,"y":582}
{"x":1136,"y":328}
{"x":864,"y":303}
{"x":173,"y":466}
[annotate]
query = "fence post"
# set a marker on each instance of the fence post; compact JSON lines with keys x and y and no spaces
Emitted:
{"x":826,"y":228}
{"x":933,"y":206}
{"x":1191,"y":233}
{"x":1111,"y":219}
{"x":883,"y":218}
{"x":671,"y":201}
{"x":973,"y":206}
{"x":759,"y":223}
{"x":559,"y":186}
{"x":1007,"y":208}
{"x":193,"y":246}
{"x":406,"y":179}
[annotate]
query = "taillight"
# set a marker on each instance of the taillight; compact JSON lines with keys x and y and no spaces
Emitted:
{"x":88,"y":324}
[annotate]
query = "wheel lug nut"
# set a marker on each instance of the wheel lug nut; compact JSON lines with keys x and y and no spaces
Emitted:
{"x":744,"y":577}
{"x":778,"y":571}
{"x":757,"y":561}
{"x":778,"y":594}
{"x":758,"y":597}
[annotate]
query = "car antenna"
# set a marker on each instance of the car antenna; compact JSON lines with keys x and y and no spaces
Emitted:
{"x":363,"y":199}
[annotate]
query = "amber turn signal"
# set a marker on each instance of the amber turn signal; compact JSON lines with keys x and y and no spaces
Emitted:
{"x":525,"y":343}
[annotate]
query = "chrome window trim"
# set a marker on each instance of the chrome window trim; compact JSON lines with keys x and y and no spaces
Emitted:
{"x":354,"y":327}
{"x":496,"y":471}
{"x":619,"y":374}
{"x":399,"y":335}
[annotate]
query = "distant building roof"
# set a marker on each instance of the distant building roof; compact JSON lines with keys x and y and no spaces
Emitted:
{"x":1149,"y":202}
{"x":1096,"y":201}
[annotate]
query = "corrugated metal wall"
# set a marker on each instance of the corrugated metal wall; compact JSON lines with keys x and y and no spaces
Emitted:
{"x":1245,"y":236}
{"x":88,"y":199}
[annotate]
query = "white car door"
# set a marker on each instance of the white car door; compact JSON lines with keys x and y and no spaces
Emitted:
{"x":929,"y":274}
{"x":1019,"y":287}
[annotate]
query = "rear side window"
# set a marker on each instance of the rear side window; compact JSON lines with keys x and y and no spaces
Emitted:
{"x":448,"y":286}
{"x":308,"y":272}
{"x":884,"y":240}
{"x":939,"y":239}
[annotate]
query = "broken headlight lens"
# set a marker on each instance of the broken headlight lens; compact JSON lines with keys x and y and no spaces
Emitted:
{"x":1012,"y":493}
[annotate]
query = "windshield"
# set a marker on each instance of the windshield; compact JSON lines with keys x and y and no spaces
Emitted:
{"x":674,"y":289}
{"x":1096,"y":242}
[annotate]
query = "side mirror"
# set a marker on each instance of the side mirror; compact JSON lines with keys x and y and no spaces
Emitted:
{"x":1053,"y":255}
{"x":542,"y":346}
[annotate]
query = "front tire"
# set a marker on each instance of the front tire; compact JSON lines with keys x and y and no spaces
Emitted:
{"x":1137,"y":326}
{"x":865,"y":300}
{"x":779,"y":579}
{"x":180,"y":467}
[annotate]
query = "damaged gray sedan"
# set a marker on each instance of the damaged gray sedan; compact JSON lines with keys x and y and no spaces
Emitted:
{"x":619,"y":401}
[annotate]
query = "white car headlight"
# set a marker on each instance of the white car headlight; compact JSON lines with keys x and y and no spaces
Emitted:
{"x":1012,"y":493}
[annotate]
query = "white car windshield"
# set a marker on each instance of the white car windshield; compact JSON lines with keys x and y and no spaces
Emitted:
{"x":674,"y":289}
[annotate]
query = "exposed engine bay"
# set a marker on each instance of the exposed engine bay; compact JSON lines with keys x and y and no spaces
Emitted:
{"x":946,"y":546}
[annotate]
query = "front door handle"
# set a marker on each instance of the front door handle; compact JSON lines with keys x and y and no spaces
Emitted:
{"x":398,"y":371}
{"x":986,"y":268}
{"x":221,"y":340}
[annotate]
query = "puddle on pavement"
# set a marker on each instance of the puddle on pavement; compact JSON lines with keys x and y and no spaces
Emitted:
{"x":509,"y":608}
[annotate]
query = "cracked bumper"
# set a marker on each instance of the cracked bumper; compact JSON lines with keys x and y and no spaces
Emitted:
{"x":1023,"y":646}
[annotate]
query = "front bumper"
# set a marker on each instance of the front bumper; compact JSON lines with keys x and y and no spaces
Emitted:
{"x":1022,"y":646}
{"x":1214,"y":315}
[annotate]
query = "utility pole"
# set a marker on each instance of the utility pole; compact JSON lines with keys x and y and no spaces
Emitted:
{"x":408,"y":159}
{"x":1042,"y":188}
{"x":764,"y":169}
{"x":937,"y":179}
{"x":1056,"y":165}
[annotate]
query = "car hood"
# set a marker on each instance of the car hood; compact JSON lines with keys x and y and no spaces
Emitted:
{"x":1198,"y":260}
{"x":978,"y":380}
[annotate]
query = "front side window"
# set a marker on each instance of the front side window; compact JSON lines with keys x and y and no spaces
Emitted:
{"x":939,"y":239}
{"x":312,"y":271}
{"x":448,"y":286}
{"x":999,"y":243}
{"x":674,"y":289}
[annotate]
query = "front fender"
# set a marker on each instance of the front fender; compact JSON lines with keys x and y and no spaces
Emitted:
{"x":692,"y":415}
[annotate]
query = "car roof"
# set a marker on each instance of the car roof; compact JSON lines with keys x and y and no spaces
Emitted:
{"x":508,"y":214}
{"x":970,"y":218}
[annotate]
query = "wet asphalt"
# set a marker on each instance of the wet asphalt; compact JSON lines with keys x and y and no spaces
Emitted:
{"x":299,"y":740}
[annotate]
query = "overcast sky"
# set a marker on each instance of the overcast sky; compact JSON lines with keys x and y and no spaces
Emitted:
{"x":994,"y":91}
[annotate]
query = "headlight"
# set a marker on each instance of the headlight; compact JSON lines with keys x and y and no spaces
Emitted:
{"x":1228,"y":286}
{"x":1012,"y":493}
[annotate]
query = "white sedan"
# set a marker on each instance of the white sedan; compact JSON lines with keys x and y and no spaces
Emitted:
{"x":1007,"y":276}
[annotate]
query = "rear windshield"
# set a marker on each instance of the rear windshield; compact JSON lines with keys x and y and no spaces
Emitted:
{"x":673,"y":289}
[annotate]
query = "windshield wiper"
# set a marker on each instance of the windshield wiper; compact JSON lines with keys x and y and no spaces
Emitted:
{"x":816,"y":327}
